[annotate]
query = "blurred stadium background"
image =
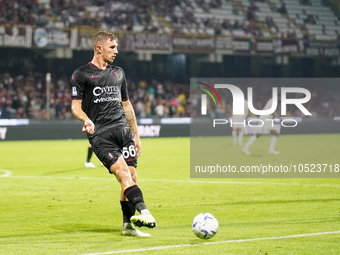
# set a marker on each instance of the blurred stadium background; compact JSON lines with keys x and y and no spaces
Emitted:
{"x":162,"y":45}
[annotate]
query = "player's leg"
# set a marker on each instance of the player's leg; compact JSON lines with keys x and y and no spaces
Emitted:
{"x":129,"y":210}
{"x":253,"y":139}
{"x":110,"y":148}
{"x":133,"y":193}
{"x":88,"y":163}
{"x":240,"y":136}
{"x":273,"y":143}
{"x":237,"y":124}
{"x":234,"y":135}
{"x":250,"y":142}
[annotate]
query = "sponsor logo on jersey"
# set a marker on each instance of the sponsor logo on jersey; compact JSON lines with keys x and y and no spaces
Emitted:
{"x":97,"y":91}
{"x":107,"y":99}
{"x":74,"y":91}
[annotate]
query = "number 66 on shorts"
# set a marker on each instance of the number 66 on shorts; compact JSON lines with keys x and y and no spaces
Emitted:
{"x":129,"y":152}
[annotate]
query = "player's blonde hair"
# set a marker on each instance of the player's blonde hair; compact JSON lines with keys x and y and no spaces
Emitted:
{"x":102,"y":36}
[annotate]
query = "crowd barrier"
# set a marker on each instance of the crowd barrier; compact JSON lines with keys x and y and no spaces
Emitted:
{"x":71,"y":129}
{"x":176,"y":127}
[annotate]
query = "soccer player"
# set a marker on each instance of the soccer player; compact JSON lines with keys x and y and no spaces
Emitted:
{"x":88,"y":163}
{"x":238,"y":126}
{"x":100,"y":100}
{"x":267,"y":125}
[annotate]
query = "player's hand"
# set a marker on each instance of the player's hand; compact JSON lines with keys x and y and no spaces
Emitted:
{"x":88,"y":127}
{"x":138,"y":145}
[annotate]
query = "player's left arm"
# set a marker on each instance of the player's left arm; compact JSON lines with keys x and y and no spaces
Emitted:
{"x":131,"y":119}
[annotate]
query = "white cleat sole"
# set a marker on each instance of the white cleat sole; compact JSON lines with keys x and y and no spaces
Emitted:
{"x":144,"y":220}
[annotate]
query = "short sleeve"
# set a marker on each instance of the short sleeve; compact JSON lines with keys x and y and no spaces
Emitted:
{"x":124,"y":90}
{"x":77,"y":85}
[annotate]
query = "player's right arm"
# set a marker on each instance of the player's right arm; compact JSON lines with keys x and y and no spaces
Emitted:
{"x":78,"y":86}
{"x":81,"y":115}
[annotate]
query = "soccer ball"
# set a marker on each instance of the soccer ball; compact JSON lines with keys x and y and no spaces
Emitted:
{"x":205,"y":225}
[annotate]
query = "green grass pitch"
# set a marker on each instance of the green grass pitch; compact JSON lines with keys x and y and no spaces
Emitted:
{"x":51,"y":204}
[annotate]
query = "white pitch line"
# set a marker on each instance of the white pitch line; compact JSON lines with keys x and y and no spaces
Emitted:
{"x":209,"y":243}
{"x":7,"y":173}
{"x":179,"y":181}
{"x":58,"y":177}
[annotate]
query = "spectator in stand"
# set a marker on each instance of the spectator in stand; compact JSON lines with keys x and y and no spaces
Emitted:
{"x":235,"y":11}
{"x":250,"y":15}
{"x":252,"y":44}
{"x":173,"y":107}
{"x":127,"y":15}
{"x":282,"y":9}
{"x":226,"y":24}
{"x":218,"y":28}
{"x":310,"y":19}
{"x":306,"y":40}
{"x":160,"y":109}
{"x":271,"y":24}
{"x":140,"y":109}
{"x":252,"y":6}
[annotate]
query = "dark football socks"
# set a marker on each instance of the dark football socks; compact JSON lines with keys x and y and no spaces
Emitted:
{"x":89,"y":154}
{"x":128,"y":210}
{"x":135,"y":196}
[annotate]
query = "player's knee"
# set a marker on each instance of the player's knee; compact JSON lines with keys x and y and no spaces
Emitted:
{"x":133,"y":173}
{"x":134,"y":178}
{"x":275,"y":133}
{"x":119,"y":169}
